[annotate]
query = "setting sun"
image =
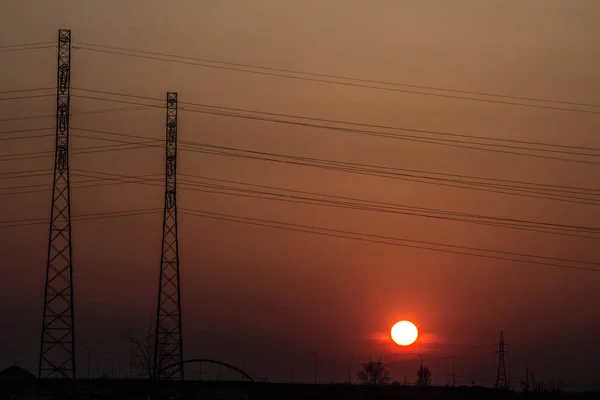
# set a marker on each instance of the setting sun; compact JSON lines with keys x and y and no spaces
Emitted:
{"x":404,"y":333}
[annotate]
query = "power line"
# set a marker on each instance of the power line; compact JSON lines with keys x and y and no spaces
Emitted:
{"x":446,"y":142}
{"x":24,"y":172}
{"x":79,"y":185}
{"x":327,"y":232}
{"x":33,"y":96}
{"x":3,"y":133}
{"x":5,"y":46}
{"x":3,"y":178}
{"x":20,"y":222}
{"x":359,"y":236}
{"x":82,"y":150}
{"x":85,"y":112}
{"x":352,"y":123}
{"x":331,"y":165}
{"x":80,"y":217}
{"x":27,"y":137}
{"x":27,"y":90}
{"x":427,"y":180}
{"x":346,"y":77}
{"x":374,"y":170}
{"x":358,"y":204}
{"x":315,"y":78}
{"x":355,"y":164}
{"x":26,"y":48}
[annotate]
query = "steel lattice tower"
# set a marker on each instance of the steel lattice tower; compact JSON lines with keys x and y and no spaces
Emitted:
{"x":168,"y":336}
{"x":57,"y":353}
{"x":501,"y":381}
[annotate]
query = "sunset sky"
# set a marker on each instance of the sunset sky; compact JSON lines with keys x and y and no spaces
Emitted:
{"x":271,"y":296}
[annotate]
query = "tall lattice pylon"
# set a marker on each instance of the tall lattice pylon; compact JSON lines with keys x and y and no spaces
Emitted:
{"x":168,"y":336}
{"x":57,"y":353}
{"x":501,"y":381}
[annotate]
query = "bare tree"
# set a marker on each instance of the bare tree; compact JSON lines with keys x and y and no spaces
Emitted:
{"x":142,"y":353}
{"x":423,"y":376}
{"x":540,"y":386}
{"x":374,"y":373}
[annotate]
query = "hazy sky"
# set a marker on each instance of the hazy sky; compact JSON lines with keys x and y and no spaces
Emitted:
{"x":274,"y":297}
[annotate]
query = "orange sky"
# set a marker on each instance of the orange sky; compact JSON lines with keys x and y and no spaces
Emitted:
{"x":273,"y":296}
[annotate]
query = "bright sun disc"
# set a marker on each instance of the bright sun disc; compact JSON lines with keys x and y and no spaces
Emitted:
{"x":404,"y":333}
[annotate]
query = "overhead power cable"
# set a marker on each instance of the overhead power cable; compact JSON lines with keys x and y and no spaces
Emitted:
{"x":6,"y":50}
{"x":75,"y":113}
{"x":304,"y":197}
{"x":534,"y":190}
{"x":27,"y":90}
{"x":6,"y":46}
{"x":550,"y":192}
{"x":339,"y":80}
{"x":80,"y":217}
{"x":33,"y":96}
{"x":463,"y":250}
{"x":468,"y":144}
{"x":365,"y":237}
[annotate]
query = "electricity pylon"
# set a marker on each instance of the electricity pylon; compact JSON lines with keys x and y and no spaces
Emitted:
{"x":57,"y":349}
{"x":501,"y":381}
{"x":168,"y":335}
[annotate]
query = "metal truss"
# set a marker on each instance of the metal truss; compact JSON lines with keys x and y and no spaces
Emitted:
{"x":57,"y":353}
{"x":168,"y":336}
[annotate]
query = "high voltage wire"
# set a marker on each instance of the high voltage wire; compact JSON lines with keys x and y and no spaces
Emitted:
{"x":460,"y":250}
{"x":348,"y":81}
{"x":347,"y":78}
{"x":366,"y":205}
{"x":27,"y":90}
{"x":80,"y":185}
{"x":555,"y":187}
{"x":4,"y":46}
{"x":372,"y":170}
{"x":391,"y":205}
{"x":352,"y":168}
{"x":33,"y":96}
{"x":77,"y":151}
{"x":352,"y":123}
{"x":23,"y":172}
{"x":27,"y":137}
{"x":338,"y":198}
{"x":80,"y":217}
{"x":364,"y":237}
{"x":5,"y":133}
{"x":6,"y":50}
{"x":338,"y":201}
{"x":544,"y":193}
{"x":349,"y":235}
{"x":446,"y":142}
{"x":428,"y":180}
{"x":2,"y":178}
{"x":85,"y":112}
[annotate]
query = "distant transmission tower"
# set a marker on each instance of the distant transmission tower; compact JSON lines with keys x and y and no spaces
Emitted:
{"x":501,"y":381}
{"x":57,"y":353}
{"x":168,"y":336}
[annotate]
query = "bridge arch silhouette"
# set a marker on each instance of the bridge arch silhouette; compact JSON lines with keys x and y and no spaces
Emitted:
{"x":208,"y":361}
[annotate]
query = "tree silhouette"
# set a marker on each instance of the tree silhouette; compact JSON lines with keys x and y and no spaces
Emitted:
{"x":423,"y":376}
{"x":142,"y":353}
{"x":374,"y":373}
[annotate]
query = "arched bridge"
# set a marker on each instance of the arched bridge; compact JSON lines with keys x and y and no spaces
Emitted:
{"x":205,"y":360}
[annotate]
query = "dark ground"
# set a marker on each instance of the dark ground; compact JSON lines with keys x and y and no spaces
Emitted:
{"x":143,"y":389}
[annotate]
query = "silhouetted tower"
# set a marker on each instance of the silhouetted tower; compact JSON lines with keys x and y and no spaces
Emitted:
{"x":57,"y":350}
{"x":168,"y":337}
{"x":501,"y":381}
